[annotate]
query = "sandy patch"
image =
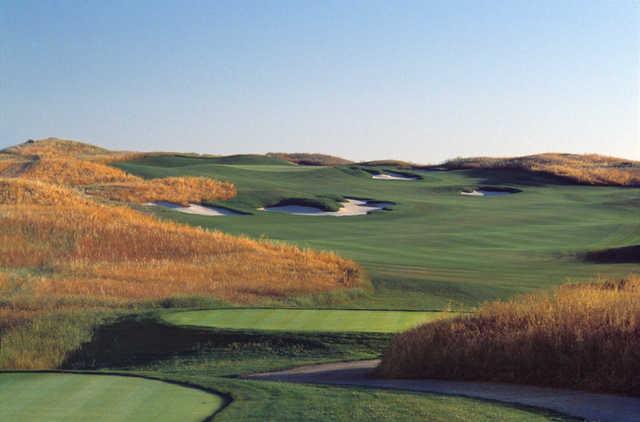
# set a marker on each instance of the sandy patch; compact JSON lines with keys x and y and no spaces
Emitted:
{"x":392,"y":176}
{"x":482,"y":192}
{"x":349,"y":208}
{"x":196,"y":209}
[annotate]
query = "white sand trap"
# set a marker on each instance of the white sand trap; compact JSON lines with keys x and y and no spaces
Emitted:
{"x":196,"y":209}
{"x":481,"y":192}
{"x":349,"y":208}
{"x":392,"y":176}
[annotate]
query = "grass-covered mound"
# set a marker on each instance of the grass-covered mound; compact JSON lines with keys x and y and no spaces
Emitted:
{"x":436,"y":248}
{"x":307,"y":159}
{"x":389,"y":163}
{"x":70,"y":171}
{"x":56,"y":146}
{"x":86,"y":167}
{"x":60,"y":250}
{"x":179,"y":190}
{"x":590,"y":169}
{"x":322,"y":203}
{"x":584,"y":336}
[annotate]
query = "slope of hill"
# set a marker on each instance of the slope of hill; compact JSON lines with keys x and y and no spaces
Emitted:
{"x":590,"y":169}
{"x":56,"y":146}
{"x":85,"y":166}
{"x":389,"y":163}
{"x":63,"y":251}
{"x":69,"y":171}
{"x":310,"y":159}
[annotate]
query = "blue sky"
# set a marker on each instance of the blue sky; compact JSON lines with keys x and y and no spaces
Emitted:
{"x":420,"y":81}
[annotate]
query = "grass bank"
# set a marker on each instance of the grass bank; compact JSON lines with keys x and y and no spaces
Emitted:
{"x":584,"y":336}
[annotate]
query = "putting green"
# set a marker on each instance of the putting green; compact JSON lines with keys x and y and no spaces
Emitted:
{"x":76,"y":397}
{"x":319,"y":320}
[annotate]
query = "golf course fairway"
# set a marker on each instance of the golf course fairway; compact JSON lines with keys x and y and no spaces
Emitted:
{"x":78,"y":397}
{"x":434,"y":249}
{"x":319,"y":320}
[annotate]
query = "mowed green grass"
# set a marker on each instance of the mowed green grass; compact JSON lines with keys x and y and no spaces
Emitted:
{"x":78,"y":397}
{"x":436,"y":248}
{"x":306,"y":319}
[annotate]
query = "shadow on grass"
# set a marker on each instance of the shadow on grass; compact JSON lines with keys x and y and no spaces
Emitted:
{"x":517,"y":177}
{"x":623,"y":255}
{"x":138,"y":340}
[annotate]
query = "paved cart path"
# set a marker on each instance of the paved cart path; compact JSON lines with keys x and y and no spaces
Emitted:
{"x":590,"y":406}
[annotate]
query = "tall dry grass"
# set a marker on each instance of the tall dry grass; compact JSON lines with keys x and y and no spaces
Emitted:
{"x":62,"y":252}
{"x":180,"y":190}
{"x":138,"y":256}
{"x":591,"y":169}
{"x":56,"y":146}
{"x":68,"y":259}
{"x":72,"y":171}
{"x":584,"y":336}
{"x":86,"y":166}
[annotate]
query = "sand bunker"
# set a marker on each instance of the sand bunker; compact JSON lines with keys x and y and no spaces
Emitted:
{"x":196,"y":209}
{"x":349,"y":208}
{"x":390,"y":175}
{"x":483,"y":192}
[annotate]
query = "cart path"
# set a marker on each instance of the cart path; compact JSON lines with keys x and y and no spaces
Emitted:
{"x":590,"y":406}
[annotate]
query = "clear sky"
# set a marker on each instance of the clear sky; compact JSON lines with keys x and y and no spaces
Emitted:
{"x":421,"y":81}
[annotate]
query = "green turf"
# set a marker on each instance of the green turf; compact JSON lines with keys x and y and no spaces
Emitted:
{"x":213,"y":358}
{"x":436,"y":248}
{"x":267,"y":401}
{"x":305,"y":319}
{"x":73,"y":397}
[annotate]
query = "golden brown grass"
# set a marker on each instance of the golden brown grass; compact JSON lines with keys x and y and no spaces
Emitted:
{"x":86,"y":167}
{"x":56,"y":146}
{"x":61,"y":252}
{"x":16,"y":192}
{"x":591,"y":169}
{"x":68,"y":258}
{"x":180,"y":190}
{"x":72,"y":171}
{"x":583,"y":336}
{"x":109,"y":252}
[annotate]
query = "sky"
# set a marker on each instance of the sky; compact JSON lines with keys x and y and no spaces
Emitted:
{"x":421,"y":81}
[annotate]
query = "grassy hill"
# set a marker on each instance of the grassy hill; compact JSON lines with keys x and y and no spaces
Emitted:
{"x":69,"y":254}
{"x":88,"y":284}
{"x":589,"y":169}
{"x":307,"y":159}
{"x":436,"y":248}
{"x":56,"y":146}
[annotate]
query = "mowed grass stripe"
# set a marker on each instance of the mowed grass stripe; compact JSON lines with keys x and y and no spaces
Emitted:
{"x":318,"y":320}
{"x":78,"y":397}
{"x":436,"y":249}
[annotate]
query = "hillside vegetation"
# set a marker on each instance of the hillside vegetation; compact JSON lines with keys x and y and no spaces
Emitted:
{"x":390,"y":163}
{"x":84,"y":166}
{"x":584,"y":336}
{"x":436,"y":247}
{"x":307,"y":159}
{"x":590,"y":169}
{"x":56,"y":146}
{"x":179,"y":190}
{"x":62,"y":251}
{"x":65,"y":256}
